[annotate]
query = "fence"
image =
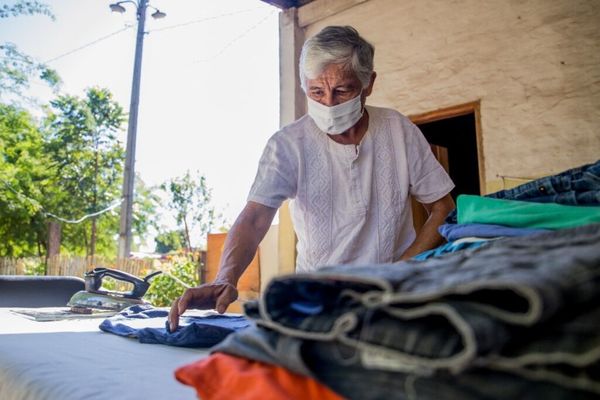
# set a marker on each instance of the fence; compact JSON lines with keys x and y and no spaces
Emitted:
{"x":71,"y":265}
{"x":179,"y":271}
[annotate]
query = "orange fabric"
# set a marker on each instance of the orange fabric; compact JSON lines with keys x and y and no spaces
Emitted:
{"x":222,"y":376}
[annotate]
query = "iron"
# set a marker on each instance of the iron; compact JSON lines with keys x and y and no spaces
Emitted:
{"x":95,"y":298}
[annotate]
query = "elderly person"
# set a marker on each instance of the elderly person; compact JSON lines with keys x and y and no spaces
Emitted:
{"x":349,"y":170}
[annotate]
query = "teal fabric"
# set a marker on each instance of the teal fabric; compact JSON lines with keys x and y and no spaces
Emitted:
{"x":522,"y":214}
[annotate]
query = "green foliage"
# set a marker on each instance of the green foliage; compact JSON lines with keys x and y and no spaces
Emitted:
{"x":34,"y":266}
{"x":16,"y":71}
{"x":86,"y":159}
{"x":16,"y":68}
{"x":70,"y":167}
{"x":25,"y":7}
{"x":23,"y":178}
{"x":169,"y":241}
{"x":164,"y":288}
{"x":145,"y":209}
{"x":189,"y":198}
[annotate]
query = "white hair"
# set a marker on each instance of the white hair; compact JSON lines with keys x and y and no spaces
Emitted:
{"x":336,"y":45}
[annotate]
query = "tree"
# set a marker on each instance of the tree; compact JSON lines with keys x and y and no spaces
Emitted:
{"x":25,"y":7}
{"x":16,"y":68}
{"x":24,"y":176}
{"x":169,"y":241}
{"x":87,"y":158}
{"x":69,"y":168}
{"x":23,"y":172}
{"x":145,"y":210}
{"x":189,"y":198}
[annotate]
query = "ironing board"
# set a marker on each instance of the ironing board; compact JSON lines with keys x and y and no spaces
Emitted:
{"x":74,"y":360}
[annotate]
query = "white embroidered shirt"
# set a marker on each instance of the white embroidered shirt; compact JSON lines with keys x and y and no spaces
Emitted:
{"x":350,"y":204}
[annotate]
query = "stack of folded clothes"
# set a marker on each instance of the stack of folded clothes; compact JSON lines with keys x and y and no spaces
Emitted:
{"x":516,"y":318}
{"x":568,"y":199}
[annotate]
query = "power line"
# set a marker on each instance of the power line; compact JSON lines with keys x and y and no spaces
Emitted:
{"x":215,"y":17}
{"x":70,"y":221}
{"x":240,"y":36}
{"x":197,"y":21}
{"x":40,"y":208}
{"x":88,"y":44}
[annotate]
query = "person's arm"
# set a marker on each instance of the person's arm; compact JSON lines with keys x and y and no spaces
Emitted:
{"x":428,"y":237}
{"x":240,"y":247}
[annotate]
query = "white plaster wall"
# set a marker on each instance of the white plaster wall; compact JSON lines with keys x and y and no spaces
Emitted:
{"x":534,"y":64}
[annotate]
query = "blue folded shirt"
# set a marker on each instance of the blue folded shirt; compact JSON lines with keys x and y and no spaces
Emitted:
{"x":150,"y":325}
{"x":457,"y":231}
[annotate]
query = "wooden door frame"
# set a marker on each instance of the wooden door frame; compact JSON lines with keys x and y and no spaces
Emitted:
{"x":457,"y":111}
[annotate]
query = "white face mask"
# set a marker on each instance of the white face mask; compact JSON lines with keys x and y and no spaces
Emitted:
{"x":336,"y":119}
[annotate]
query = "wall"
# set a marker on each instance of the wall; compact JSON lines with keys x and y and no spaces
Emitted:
{"x":264,"y":266}
{"x":249,"y":284}
{"x":533,"y":64}
{"x":269,"y":257}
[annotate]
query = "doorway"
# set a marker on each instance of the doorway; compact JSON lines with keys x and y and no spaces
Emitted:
{"x":454,"y":136}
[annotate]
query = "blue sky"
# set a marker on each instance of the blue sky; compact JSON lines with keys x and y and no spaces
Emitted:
{"x":209,"y":88}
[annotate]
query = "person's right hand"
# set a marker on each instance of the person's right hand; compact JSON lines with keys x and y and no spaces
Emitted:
{"x":215,"y":295}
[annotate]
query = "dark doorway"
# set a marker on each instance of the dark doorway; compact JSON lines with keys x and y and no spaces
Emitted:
{"x":458,"y":137}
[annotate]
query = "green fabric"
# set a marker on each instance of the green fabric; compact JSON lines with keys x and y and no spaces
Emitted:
{"x":522,"y":214}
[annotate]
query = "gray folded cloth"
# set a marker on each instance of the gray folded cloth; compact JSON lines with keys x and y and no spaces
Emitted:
{"x":526,"y":305}
{"x":338,"y":367}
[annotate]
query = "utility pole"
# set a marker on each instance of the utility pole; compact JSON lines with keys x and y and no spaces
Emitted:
{"x":129,"y":171}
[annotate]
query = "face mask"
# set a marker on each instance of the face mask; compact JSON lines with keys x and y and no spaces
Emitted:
{"x":336,"y":119}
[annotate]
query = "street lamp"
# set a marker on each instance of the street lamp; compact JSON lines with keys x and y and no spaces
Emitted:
{"x":117,"y":8}
{"x":129,"y":171}
{"x":157,"y":14}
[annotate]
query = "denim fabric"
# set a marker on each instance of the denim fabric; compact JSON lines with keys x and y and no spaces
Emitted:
{"x":453,"y":232}
{"x":266,"y":346}
{"x":334,"y":366}
{"x":576,"y":186}
{"x":515,"y":319}
{"x":446,"y":248}
{"x":150,"y":325}
{"x":337,"y":366}
{"x":564,"y":350}
{"x":455,"y":312}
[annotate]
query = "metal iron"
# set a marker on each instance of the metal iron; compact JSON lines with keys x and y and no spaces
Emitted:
{"x":96,"y":298}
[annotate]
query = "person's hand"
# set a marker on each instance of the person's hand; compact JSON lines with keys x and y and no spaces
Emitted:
{"x":217,"y":295}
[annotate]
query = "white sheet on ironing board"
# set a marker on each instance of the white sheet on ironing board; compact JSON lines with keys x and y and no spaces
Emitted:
{"x":74,"y":360}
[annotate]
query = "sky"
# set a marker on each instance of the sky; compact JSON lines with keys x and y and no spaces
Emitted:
{"x":209,"y":96}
